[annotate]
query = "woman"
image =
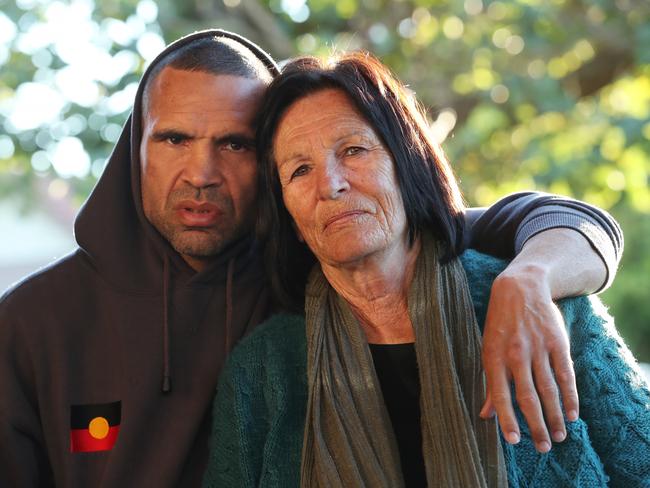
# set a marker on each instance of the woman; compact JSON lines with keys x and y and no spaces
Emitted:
{"x":380,"y":383}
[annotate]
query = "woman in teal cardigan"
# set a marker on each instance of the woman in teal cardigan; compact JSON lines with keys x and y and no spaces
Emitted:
{"x":380,"y":382}
{"x":259,"y":415}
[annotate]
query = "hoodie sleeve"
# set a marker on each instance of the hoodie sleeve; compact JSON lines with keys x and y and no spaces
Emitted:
{"x":502,"y":229}
{"x":23,"y":460}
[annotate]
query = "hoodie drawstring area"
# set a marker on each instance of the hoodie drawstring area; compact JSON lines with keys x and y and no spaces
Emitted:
{"x":229,"y":278}
{"x":167,"y":381}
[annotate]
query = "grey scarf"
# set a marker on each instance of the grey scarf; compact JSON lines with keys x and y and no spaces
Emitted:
{"x":348,"y":439}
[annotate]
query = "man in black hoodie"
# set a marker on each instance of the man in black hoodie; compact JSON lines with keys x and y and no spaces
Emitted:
{"x":109,"y":357}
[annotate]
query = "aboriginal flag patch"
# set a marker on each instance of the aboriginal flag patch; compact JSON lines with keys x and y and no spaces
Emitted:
{"x":94,"y":427}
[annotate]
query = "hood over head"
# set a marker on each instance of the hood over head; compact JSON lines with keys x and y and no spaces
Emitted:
{"x":111,"y":228}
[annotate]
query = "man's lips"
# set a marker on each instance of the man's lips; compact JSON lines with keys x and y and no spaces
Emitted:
{"x":341,"y":218}
{"x":197,"y":214}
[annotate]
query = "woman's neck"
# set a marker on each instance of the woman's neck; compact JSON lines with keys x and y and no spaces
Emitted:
{"x":376,"y":289}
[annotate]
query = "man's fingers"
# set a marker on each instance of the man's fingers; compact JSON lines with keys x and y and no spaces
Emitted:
{"x":499,"y":396}
{"x":566,"y":380}
{"x":528,"y":401}
{"x":487,"y":411}
{"x":549,"y":397}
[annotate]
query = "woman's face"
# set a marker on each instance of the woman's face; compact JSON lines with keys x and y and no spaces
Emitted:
{"x":338,"y":180}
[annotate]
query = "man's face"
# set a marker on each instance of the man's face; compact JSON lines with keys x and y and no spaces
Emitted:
{"x":198,"y":161}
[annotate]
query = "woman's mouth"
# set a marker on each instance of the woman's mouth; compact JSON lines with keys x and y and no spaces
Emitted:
{"x":343,"y":218}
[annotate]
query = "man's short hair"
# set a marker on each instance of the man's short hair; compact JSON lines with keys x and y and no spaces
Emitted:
{"x":216,"y":55}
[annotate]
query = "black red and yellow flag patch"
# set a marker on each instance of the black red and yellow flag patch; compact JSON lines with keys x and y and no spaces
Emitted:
{"x":94,"y":427}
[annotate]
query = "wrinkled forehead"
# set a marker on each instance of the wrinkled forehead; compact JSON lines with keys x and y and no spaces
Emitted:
{"x":181,"y":87}
{"x":211,"y":56}
{"x":327,"y":114}
{"x":190,"y":97}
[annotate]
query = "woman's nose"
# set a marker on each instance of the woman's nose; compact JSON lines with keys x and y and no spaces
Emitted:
{"x":332,"y":180}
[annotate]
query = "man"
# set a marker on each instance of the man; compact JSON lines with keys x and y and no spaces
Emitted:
{"x":107,"y":356}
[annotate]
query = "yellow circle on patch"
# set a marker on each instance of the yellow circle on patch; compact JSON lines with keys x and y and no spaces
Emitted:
{"x":98,"y":427}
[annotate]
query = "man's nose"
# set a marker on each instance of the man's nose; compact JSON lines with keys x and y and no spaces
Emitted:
{"x":202,"y":167}
{"x":331,"y":178}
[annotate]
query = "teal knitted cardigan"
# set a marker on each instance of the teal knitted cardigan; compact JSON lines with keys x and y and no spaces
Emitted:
{"x":259,"y":411}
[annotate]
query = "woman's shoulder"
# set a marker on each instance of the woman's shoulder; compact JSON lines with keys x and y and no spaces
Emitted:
{"x":481,"y":270}
{"x":279,"y":336}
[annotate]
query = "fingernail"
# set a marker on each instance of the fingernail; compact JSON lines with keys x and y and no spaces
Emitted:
{"x":559,"y":436}
{"x":572,"y":415}
{"x":513,"y":438}
{"x":543,"y":446}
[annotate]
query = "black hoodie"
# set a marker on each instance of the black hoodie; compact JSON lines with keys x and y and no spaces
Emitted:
{"x":94,"y":326}
{"x":109,"y":357}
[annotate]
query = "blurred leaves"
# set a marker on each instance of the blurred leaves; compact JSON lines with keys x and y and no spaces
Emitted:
{"x":528,"y":93}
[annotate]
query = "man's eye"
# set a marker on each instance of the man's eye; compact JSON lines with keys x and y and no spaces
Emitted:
{"x":301,"y":170}
{"x":236,"y":147}
{"x":175,"y":139}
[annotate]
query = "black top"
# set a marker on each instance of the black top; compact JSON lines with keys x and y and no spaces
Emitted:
{"x":397,"y":371}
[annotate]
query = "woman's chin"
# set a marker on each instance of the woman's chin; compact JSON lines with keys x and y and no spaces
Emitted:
{"x":350,"y":254}
{"x":352,"y":246}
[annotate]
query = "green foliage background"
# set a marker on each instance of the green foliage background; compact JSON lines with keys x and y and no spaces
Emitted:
{"x":545,"y":94}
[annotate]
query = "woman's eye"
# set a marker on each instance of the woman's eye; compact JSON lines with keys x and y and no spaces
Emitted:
{"x":353,"y":150}
{"x":300,"y":171}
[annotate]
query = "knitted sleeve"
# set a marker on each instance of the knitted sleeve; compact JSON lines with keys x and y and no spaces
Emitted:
{"x":614,"y":396}
{"x":237,"y":423}
{"x":259,"y":410}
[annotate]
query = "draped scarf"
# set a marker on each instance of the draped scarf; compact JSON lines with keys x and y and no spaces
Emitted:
{"x":348,"y":439}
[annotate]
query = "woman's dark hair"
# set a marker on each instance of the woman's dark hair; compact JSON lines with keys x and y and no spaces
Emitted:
{"x":427,"y":184}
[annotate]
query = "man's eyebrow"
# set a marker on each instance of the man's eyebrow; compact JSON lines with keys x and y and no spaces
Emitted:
{"x":163,"y":134}
{"x":236,"y":137}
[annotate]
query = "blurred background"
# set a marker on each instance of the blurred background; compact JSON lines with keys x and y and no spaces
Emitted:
{"x":546,"y":94}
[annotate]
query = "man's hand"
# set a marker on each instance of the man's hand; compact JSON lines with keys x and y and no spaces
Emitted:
{"x":524,"y":338}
